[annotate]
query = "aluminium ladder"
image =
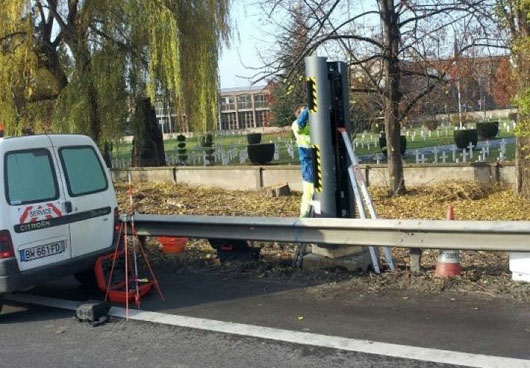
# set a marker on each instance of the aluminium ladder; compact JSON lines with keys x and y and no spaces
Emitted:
{"x":360,"y":190}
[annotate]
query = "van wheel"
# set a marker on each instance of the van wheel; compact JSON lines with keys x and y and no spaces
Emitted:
{"x":87,"y":278}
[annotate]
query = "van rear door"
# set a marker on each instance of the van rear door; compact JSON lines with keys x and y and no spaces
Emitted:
{"x":34,"y":195}
{"x":89,"y":192}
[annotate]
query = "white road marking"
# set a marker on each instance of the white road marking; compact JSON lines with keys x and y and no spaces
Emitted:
{"x":301,"y":338}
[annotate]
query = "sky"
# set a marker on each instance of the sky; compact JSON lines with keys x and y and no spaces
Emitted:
{"x":237,"y":61}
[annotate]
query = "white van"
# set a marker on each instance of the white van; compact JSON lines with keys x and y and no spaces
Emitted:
{"x":58,"y":209}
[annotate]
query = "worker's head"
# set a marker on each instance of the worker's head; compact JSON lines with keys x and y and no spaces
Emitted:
{"x":298,"y":109}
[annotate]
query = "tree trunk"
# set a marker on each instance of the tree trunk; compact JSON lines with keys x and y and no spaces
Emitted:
{"x":148,"y":142}
{"x":392,"y":96}
{"x":521,"y":55}
{"x":84,"y":64}
{"x":94,"y":127}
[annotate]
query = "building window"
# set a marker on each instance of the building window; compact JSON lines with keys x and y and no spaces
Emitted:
{"x":262,"y":118}
{"x":228,"y":103}
{"x":260,"y":101}
{"x":244,"y":102}
{"x":246,"y":119}
{"x":228,"y":121}
{"x":159,"y":108}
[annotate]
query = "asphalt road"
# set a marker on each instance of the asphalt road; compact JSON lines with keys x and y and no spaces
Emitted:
{"x":34,"y":336}
{"x":44,"y":337}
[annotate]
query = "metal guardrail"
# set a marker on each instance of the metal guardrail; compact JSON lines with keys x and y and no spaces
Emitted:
{"x":459,"y":235}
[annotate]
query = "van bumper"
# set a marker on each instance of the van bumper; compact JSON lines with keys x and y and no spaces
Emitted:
{"x":11,"y":279}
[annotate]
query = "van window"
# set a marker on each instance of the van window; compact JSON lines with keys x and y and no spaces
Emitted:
{"x":30,"y":177}
{"x":83,"y":170}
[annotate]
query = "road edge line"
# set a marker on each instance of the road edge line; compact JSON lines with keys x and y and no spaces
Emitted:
{"x":295,"y":337}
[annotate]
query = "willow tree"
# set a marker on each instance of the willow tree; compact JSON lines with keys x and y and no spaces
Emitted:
{"x":80,"y":65}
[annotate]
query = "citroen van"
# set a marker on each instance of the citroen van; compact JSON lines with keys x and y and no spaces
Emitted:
{"x":58,"y":209}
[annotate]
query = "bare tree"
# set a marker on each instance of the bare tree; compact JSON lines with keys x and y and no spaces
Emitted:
{"x":515,"y":18}
{"x":388,"y":43}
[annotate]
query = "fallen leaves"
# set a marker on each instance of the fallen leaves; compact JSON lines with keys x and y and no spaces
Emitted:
{"x":482,"y":272}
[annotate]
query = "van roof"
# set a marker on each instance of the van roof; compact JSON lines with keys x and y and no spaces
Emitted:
{"x":74,"y":138}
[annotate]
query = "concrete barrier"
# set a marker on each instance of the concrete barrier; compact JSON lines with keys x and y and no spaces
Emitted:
{"x":258,"y":177}
{"x":145,"y":174}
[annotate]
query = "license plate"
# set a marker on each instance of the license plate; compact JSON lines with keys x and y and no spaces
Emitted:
{"x":41,"y":251}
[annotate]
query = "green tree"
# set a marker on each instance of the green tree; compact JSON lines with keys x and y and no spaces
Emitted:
{"x":515,"y":17}
{"x":80,"y":65}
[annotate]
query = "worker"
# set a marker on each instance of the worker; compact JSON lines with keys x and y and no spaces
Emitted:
{"x":300,"y":128}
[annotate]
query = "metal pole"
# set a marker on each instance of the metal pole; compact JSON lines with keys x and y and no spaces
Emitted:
{"x":340,"y":119}
{"x":319,"y":105}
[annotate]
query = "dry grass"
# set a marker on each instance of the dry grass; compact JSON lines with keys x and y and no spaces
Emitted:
{"x":483,"y":272}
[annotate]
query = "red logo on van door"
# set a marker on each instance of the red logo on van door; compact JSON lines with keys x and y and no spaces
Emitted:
{"x":40,"y":212}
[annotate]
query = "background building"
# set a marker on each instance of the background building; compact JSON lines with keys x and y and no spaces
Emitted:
{"x":243,"y":108}
{"x":239,"y":108}
{"x":168,"y":119}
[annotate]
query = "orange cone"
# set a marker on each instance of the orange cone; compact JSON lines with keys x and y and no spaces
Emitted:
{"x":448,"y":263}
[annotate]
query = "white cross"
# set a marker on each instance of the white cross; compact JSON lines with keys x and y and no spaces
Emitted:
{"x":435,"y":155}
{"x":464,"y":156}
{"x":502,"y":157}
{"x":470,"y":147}
{"x":417,"y":153}
{"x":444,"y":157}
{"x":378,"y":158}
{"x":423,"y":159}
{"x":454,"y":152}
{"x":488,"y":147}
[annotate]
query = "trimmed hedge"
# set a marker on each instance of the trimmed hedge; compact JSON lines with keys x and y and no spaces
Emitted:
{"x":254,"y":138}
{"x":206,"y":141}
{"x":182,"y":151}
{"x":432,"y":124}
{"x":261,"y":153}
{"x":488,"y":130}
{"x":402,"y":141}
{"x":464,"y":137}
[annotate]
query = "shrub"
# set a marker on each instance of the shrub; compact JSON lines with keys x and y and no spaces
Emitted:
{"x":488,"y":130}
{"x":181,"y":150}
{"x":260,"y":153}
{"x":466,"y":118}
{"x":402,"y":141}
{"x":432,"y":124}
{"x":377,"y":128}
{"x":206,"y":141}
{"x":464,"y":137}
{"x":254,"y":138}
